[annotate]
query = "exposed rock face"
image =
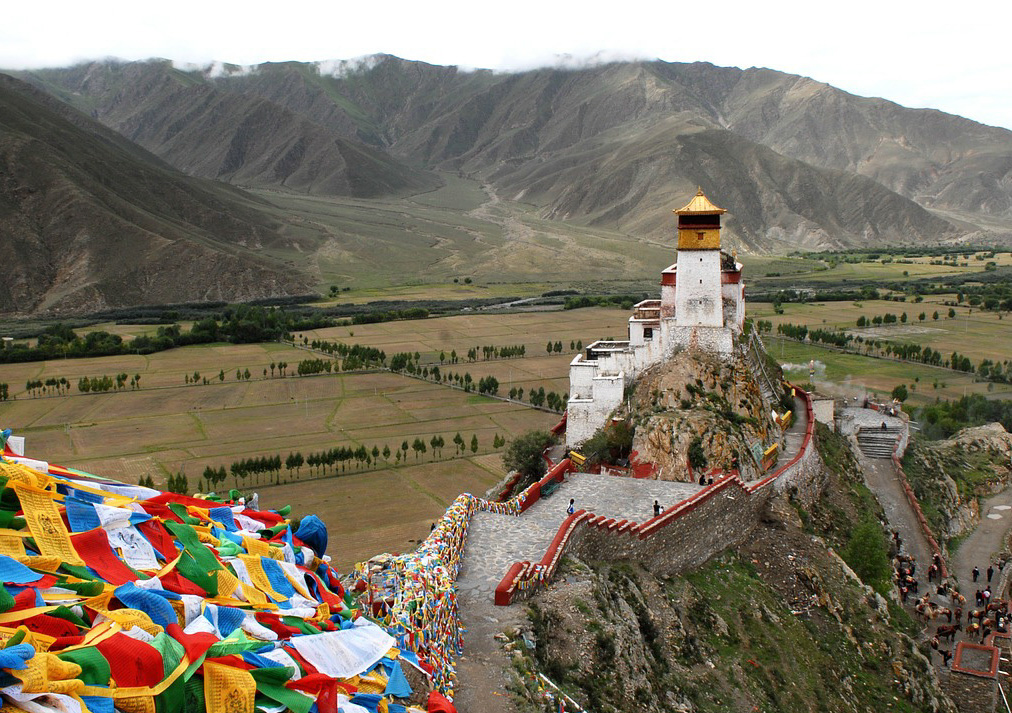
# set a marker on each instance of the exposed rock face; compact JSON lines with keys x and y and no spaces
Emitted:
{"x":949,"y":476}
{"x":694,"y":395}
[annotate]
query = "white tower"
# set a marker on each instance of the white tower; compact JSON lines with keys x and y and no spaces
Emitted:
{"x":698,"y":298}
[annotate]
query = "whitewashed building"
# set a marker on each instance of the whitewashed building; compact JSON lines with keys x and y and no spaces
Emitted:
{"x":702,"y":306}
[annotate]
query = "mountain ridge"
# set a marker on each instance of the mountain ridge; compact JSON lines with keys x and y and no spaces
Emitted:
{"x":511,"y":128}
{"x":95,"y":221}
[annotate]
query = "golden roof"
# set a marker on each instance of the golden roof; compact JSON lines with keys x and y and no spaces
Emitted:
{"x":700,"y":205}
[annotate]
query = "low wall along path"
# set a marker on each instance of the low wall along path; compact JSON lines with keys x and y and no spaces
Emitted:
{"x":614,"y":518}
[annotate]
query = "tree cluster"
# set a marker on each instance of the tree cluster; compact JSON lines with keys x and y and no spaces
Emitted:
{"x":50,"y":387}
{"x":101,"y":384}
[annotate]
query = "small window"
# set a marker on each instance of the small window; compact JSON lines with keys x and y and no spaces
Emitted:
{"x":701,"y":282}
{"x":700,"y":235}
{"x":648,"y":333}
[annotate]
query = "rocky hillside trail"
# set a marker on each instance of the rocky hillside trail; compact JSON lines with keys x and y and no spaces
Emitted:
{"x":881,"y":477}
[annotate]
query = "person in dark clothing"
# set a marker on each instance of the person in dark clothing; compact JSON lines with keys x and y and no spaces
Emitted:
{"x":702,"y":480}
{"x":657,"y":508}
{"x":990,"y":573}
{"x":884,"y":427}
{"x":976,"y":573}
{"x":572,"y":506}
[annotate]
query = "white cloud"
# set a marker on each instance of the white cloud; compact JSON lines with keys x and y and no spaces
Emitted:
{"x":916,"y":53}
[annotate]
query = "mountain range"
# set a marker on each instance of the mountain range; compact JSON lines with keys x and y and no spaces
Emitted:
{"x":91,"y":220}
{"x":797,"y":163}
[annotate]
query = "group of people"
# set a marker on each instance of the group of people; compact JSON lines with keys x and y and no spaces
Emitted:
{"x":943,"y":600}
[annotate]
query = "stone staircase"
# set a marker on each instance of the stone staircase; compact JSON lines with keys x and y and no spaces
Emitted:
{"x":878,"y":442}
{"x":753,"y":357}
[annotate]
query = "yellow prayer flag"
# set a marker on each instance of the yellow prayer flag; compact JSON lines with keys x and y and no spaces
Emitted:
{"x":45,"y":523}
{"x":228,"y":689}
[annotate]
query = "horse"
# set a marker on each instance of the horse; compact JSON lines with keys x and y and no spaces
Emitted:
{"x":972,"y":630}
{"x":948,"y":632}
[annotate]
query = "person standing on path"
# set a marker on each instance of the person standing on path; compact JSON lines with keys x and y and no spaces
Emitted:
{"x":990,"y":573}
{"x":572,"y":506}
{"x":976,"y":573}
{"x":657,"y":508}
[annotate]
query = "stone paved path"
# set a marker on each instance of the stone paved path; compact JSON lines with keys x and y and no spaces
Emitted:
{"x":494,"y":542}
{"x":883,"y":480}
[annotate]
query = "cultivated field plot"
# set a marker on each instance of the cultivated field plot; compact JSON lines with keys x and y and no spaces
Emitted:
{"x":971,"y":331}
{"x":781,"y":272}
{"x":430,"y":337}
{"x":851,"y":375}
{"x":387,"y":510}
{"x":168,"y":368}
{"x":193,"y":427}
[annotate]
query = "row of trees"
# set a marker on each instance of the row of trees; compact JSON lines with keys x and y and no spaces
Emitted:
{"x":308,"y":367}
{"x":4,"y":392}
{"x":826,"y":336}
{"x":101,"y":384}
{"x":339,"y":459}
{"x":177,"y":484}
{"x":491,"y":352}
{"x":50,"y":387}
{"x":354,"y":356}
{"x":239,"y":324}
{"x":890,"y":318}
{"x":264,"y":465}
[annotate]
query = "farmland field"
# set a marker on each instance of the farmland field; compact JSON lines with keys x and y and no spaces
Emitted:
{"x":971,"y":331}
{"x":850,"y":375}
{"x":168,"y":425}
{"x":192,"y":410}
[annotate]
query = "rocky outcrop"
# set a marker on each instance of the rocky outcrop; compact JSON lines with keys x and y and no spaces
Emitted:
{"x":696,"y":396}
{"x":949,"y":477}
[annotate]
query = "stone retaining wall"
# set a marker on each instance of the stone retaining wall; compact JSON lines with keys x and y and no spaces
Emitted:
{"x":686,"y":535}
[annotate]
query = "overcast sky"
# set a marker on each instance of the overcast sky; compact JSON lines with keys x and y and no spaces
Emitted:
{"x":955,"y":57}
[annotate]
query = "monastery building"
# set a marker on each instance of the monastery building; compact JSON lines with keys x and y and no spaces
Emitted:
{"x":702,"y":306}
